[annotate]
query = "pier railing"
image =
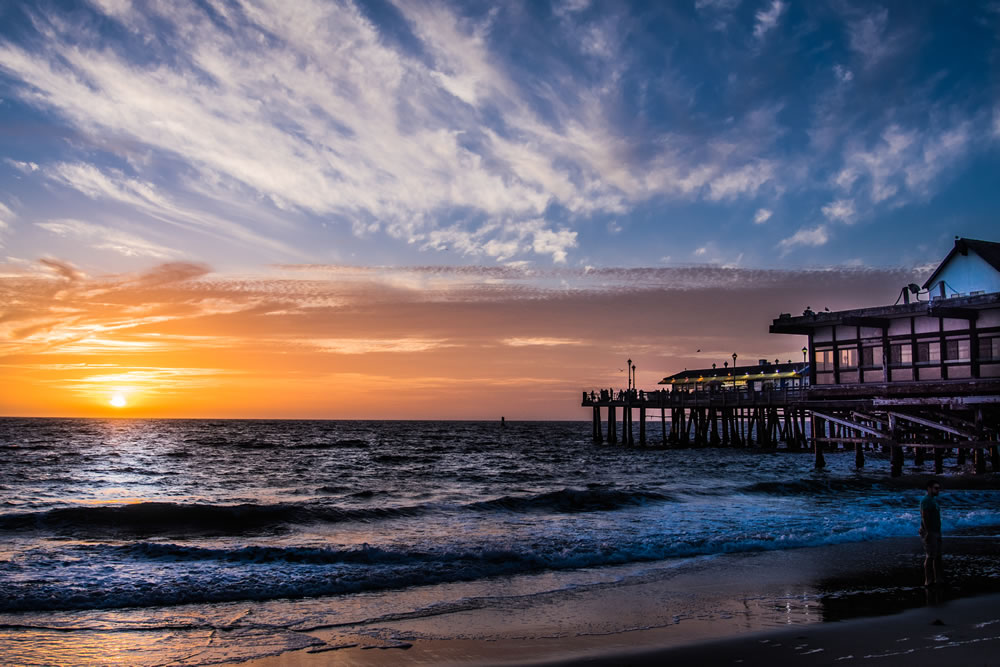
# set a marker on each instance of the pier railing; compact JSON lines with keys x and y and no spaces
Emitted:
{"x":739,"y":397}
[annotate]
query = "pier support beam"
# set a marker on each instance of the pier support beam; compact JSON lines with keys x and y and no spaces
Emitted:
{"x":895,"y":451}
{"x":979,"y":460}
{"x":598,"y":435}
{"x":612,"y":426}
{"x":642,"y":427}
{"x":817,"y":424}
{"x":978,"y":455}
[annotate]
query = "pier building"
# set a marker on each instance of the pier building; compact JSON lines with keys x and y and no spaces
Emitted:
{"x":764,"y":375}
{"x":921,"y":375}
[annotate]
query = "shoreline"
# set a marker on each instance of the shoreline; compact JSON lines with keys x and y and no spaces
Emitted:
{"x":799,"y":606}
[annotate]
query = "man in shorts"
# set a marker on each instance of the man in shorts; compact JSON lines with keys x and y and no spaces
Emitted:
{"x":930,"y":533}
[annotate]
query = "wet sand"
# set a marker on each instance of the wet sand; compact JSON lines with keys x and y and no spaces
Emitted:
{"x":842,"y":604}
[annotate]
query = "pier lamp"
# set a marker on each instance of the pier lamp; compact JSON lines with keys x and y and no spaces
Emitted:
{"x":805,"y":351}
{"x":628,"y":369}
{"x":635,"y":385}
{"x":734,"y":371}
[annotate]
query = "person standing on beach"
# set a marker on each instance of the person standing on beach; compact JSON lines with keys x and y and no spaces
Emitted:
{"x":930,"y":533}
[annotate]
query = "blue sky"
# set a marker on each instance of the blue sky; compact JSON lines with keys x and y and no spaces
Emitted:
{"x":492,"y":205}
{"x":727,"y":132}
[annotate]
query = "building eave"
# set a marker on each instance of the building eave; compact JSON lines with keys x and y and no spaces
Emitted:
{"x":962,"y":307}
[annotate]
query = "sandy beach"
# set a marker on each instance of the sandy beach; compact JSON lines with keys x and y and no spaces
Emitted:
{"x":845,"y":604}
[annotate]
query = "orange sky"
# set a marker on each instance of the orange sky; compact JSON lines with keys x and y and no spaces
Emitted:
{"x":353,"y":343}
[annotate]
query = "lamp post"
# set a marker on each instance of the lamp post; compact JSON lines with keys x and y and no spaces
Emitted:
{"x":628,"y":369}
{"x":635,"y":385}
{"x":805,"y":351}
{"x":734,"y":371}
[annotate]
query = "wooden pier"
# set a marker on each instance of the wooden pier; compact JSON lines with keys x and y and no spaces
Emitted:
{"x":922,"y":419}
{"x":702,"y":418}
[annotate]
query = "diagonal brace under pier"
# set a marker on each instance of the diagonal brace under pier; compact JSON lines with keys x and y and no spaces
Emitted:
{"x":851,"y":424}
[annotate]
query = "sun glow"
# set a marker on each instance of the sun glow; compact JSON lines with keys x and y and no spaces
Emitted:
{"x":118,"y":401}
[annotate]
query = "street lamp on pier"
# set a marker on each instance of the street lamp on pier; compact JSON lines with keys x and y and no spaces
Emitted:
{"x":628,"y":369}
{"x":734,"y":371}
{"x":805,"y":351}
{"x":635,"y":385}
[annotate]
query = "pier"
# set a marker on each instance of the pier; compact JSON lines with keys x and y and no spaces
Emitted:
{"x":701,"y":418}
{"x":918,"y":378}
{"x":925,"y":421}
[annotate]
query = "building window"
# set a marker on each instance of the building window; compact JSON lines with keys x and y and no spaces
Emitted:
{"x":957,"y":349}
{"x":824,"y":360}
{"x":900,"y":354}
{"x":848,"y":357}
{"x":989,"y":348}
{"x":871,"y":356}
{"x":929,"y":352}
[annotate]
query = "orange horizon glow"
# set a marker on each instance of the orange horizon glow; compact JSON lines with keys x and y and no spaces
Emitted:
{"x":355,"y":343}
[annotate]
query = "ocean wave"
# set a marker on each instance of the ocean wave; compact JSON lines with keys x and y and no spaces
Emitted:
{"x":347,"y":443}
{"x":28,"y":447}
{"x":392,"y":458}
{"x":262,"y":554}
{"x":861,"y":484}
{"x":150,"y":518}
{"x":158,"y":517}
{"x":183,"y":574}
{"x":331,"y":489}
{"x":799,"y":487}
{"x":570,"y":500}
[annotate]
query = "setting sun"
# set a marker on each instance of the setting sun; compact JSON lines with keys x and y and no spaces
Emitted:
{"x":118,"y":401}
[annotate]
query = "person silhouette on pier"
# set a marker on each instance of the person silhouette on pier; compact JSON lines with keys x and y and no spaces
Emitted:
{"x":930,"y":533}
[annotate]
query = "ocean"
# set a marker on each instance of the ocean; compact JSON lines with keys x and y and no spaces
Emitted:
{"x":207,"y":541}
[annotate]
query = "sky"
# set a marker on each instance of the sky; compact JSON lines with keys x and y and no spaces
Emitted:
{"x":434,"y":210}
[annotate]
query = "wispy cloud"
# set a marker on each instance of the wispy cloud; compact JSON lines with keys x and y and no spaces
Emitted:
{"x":767,"y":19}
{"x":542,"y":342}
{"x":23,"y":167}
{"x":841,"y":210}
{"x":871,"y":39}
{"x":746,"y":180}
{"x":905,"y":161}
{"x":115,"y":186}
{"x":150,"y":381}
{"x":762,"y":215}
{"x":6,"y":219}
{"x":107,"y":238}
{"x":843,"y":74}
{"x":810,"y":237}
{"x":375,"y":346}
